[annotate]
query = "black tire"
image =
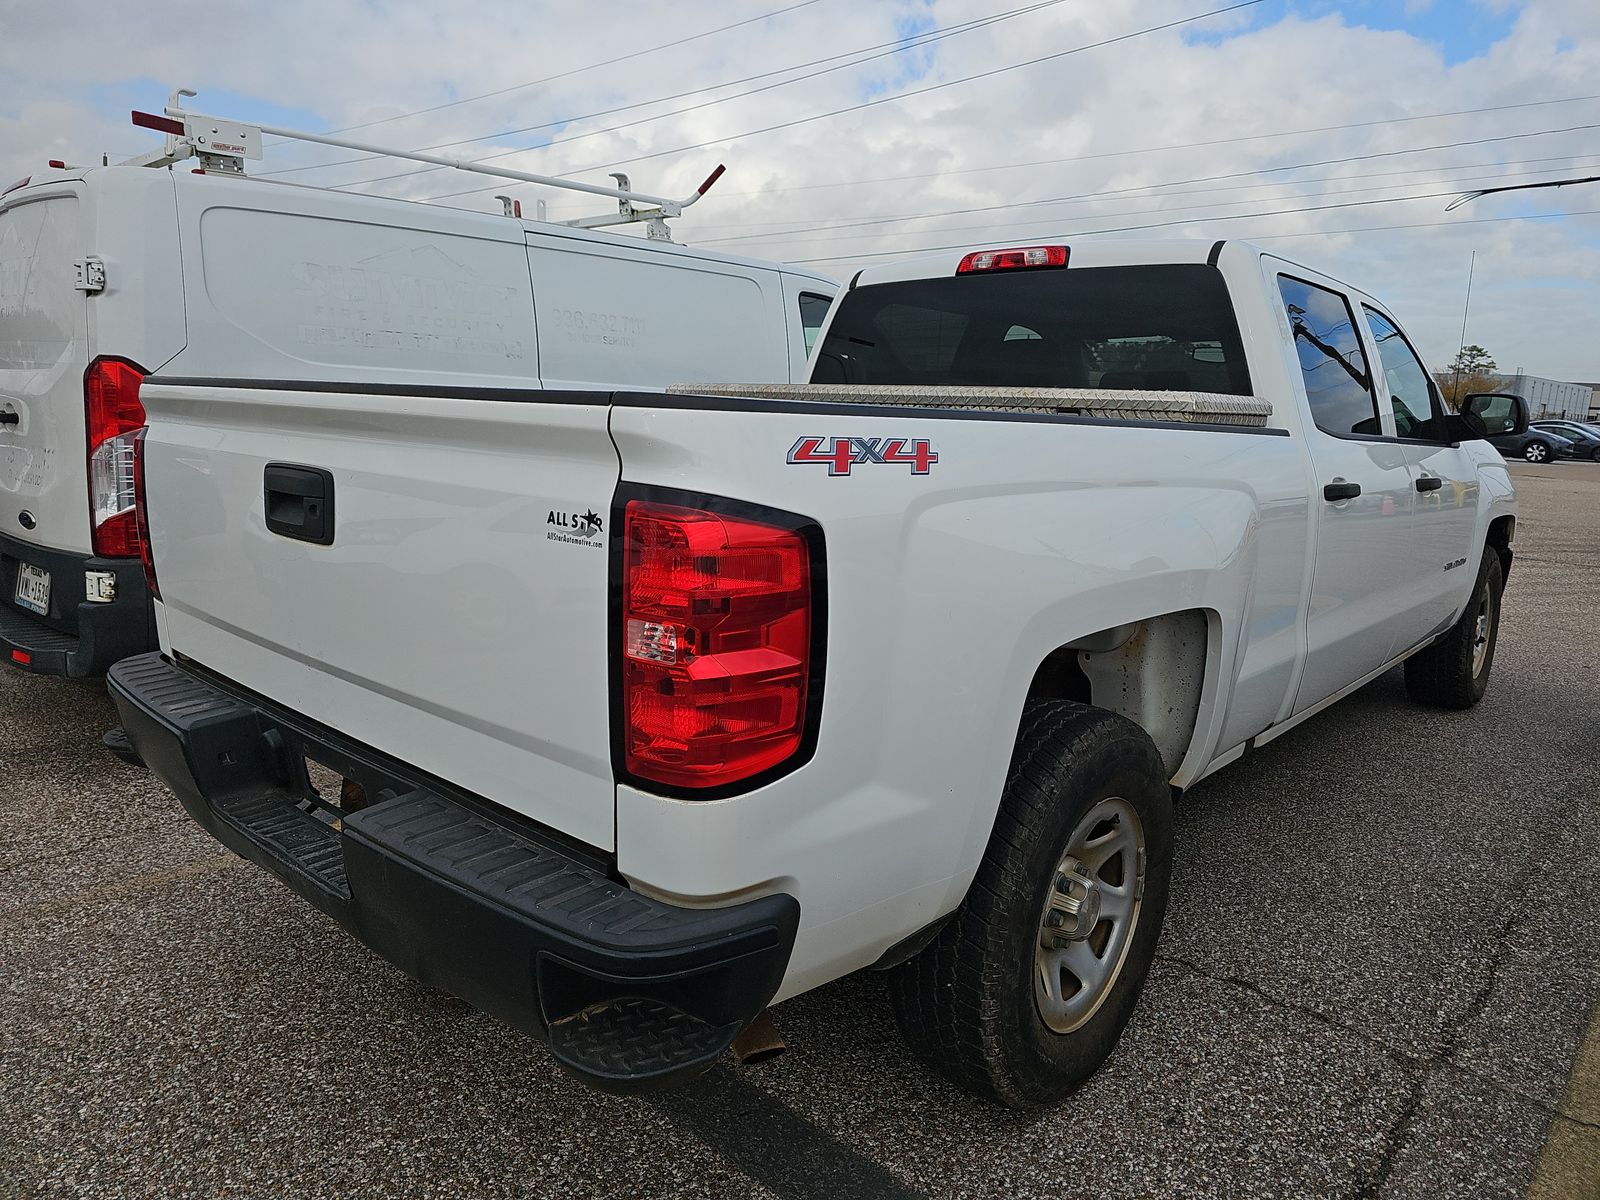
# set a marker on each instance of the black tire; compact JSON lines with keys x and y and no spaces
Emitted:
{"x":1544,"y":450}
{"x":1449,"y":673}
{"x":966,"y":1004}
{"x":1595,"y":454}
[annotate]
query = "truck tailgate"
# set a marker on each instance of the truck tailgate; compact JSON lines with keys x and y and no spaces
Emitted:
{"x":456,"y":620}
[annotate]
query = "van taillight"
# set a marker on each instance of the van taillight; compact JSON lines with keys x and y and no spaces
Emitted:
{"x":718,"y":629}
{"x":113,"y":415}
{"x":141,"y":516}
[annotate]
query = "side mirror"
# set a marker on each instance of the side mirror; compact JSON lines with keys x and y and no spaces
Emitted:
{"x":1490,"y":414}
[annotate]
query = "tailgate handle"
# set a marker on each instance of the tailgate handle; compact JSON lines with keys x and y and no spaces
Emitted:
{"x":299,"y":502}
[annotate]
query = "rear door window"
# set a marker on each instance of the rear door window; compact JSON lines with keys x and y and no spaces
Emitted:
{"x":813,"y":312}
{"x":1162,"y":328}
{"x":39,"y":306}
{"x":1338,"y":383}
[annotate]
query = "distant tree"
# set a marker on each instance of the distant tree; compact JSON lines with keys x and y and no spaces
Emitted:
{"x":1473,"y":360}
{"x":1473,"y":370}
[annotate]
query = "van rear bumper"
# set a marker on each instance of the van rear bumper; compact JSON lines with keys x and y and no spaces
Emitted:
{"x":77,"y":637}
{"x":630,"y":993}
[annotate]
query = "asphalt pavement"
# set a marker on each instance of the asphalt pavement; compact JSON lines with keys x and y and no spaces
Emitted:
{"x":1381,"y":958}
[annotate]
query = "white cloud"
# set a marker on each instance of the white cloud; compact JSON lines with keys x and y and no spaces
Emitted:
{"x":1538,"y":282}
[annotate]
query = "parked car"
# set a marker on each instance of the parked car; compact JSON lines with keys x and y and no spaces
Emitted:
{"x":1585,"y":438}
{"x":1534,"y":445}
{"x":652,"y":710}
{"x":110,"y":273}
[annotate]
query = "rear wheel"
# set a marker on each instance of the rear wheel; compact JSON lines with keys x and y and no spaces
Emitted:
{"x":1454,"y":671}
{"x":1595,"y":454}
{"x":1025,"y":992}
{"x":1537,"y":452}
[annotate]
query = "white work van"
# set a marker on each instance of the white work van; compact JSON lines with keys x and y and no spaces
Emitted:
{"x":110,"y":274}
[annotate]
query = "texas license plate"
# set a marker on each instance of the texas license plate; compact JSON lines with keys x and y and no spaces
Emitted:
{"x":33,"y":588}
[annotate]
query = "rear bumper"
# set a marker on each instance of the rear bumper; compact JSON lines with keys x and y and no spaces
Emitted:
{"x":76,"y":637}
{"x":630,"y":993}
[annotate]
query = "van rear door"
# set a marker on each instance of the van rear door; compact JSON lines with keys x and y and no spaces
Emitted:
{"x":44,"y":350}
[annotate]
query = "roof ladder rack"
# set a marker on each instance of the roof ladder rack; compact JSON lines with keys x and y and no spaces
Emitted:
{"x":222,"y":145}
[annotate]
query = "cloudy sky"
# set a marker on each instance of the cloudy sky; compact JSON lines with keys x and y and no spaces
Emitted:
{"x":858,"y":130}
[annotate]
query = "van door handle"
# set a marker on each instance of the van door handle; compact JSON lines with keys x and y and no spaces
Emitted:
{"x":10,"y":418}
{"x":1341,"y":491}
{"x":1429,"y":483}
{"x":299,"y":502}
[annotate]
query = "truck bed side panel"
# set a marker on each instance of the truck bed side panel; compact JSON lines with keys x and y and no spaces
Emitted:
{"x":945,"y":593}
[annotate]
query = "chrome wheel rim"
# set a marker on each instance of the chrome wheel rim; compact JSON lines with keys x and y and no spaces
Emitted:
{"x":1482,"y":624}
{"x":1536,"y":452}
{"x":1090,"y":914}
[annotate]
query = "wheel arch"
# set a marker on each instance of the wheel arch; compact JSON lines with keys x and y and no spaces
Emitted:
{"x":1161,"y":672}
{"x":1502,"y":531}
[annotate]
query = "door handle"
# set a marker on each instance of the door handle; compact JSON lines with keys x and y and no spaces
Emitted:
{"x":1341,"y":491}
{"x":10,"y":418}
{"x":1429,"y":483}
{"x":299,"y":502}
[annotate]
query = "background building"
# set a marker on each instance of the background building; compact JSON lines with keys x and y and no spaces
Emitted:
{"x":1551,"y":397}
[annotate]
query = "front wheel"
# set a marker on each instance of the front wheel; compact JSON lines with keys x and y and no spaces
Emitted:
{"x":1537,"y":452}
{"x":1454,"y":671}
{"x":1026,"y":990}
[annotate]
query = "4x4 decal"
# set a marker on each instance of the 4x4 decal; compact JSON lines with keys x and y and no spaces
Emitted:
{"x":842,"y":453}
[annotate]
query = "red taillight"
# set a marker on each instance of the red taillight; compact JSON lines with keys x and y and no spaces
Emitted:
{"x":1012,"y":260}
{"x":141,"y":517}
{"x":717,"y":627}
{"x":112,"y":415}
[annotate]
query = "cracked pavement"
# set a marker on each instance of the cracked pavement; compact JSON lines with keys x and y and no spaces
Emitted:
{"x":1382,"y":953}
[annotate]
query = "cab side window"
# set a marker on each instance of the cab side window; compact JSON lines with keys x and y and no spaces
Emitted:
{"x":1338,"y":383}
{"x":1411,"y":393}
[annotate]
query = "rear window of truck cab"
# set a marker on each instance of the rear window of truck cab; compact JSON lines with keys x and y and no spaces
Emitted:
{"x":1161,"y":328}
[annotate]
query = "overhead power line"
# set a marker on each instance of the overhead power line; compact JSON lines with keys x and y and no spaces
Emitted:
{"x":610,"y":62}
{"x":956,"y":212}
{"x":911,"y":251}
{"x":1051,"y":162}
{"x":1159,"y":191}
{"x":894,"y":99}
{"x":1454,"y":183}
{"x":1519,"y":187}
{"x":866,"y":54}
{"x":1273,"y":237}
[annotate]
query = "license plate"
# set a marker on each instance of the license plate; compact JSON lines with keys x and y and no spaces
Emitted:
{"x":33,"y":588}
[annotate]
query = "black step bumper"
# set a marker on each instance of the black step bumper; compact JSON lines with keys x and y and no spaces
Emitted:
{"x":631,"y":993}
{"x":77,"y":637}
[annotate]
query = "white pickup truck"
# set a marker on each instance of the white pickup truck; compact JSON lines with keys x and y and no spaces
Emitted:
{"x":652,"y":710}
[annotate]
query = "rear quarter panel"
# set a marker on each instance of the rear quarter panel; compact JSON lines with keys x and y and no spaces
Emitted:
{"x":945,"y":592}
